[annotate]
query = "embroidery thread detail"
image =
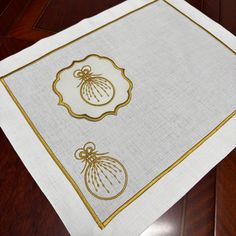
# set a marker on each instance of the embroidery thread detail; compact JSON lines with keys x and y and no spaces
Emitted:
{"x":105,"y":177}
{"x":94,"y":89}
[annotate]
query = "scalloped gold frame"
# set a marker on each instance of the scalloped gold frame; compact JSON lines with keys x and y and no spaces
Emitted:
{"x":85,"y":116}
{"x":103,"y":224}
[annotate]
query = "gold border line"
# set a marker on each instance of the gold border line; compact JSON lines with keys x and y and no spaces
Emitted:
{"x":103,"y":224}
{"x":51,"y":153}
{"x":92,"y":212}
{"x":199,"y":26}
{"x":77,"y":39}
{"x":111,"y":22}
{"x":113,"y":112}
{"x":140,"y":192}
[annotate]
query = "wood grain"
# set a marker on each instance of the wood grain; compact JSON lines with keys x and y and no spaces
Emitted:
{"x":55,"y":16}
{"x":196,"y":3}
{"x":24,"y":209}
{"x":200,"y":207}
{"x":212,"y":9}
{"x":10,"y":11}
{"x":228,"y":15}
{"x":9,"y":46}
{"x":24,"y":27}
{"x":208,"y":209}
{"x":170,"y":223}
{"x":225,"y":216}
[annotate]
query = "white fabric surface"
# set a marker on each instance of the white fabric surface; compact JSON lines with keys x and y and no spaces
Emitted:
{"x":134,"y":219}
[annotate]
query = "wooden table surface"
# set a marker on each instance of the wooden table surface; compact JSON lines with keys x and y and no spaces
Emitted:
{"x":208,"y":209}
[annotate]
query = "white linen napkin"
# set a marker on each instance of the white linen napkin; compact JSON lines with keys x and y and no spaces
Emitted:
{"x":127,"y":109}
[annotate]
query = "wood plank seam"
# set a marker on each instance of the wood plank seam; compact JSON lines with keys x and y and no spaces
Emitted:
{"x":6,"y":8}
{"x":35,"y":24}
{"x":19,"y":15}
{"x":183,"y":215}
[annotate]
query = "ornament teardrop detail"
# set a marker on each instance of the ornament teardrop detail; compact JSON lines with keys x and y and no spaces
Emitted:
{"x":94,"y":89}
{"x":105,"y":177}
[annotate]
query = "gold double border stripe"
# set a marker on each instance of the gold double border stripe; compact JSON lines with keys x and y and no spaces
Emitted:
{"x":59,"y":164}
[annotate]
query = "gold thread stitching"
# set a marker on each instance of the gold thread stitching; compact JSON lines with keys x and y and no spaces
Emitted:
{"x":102,"y":172}
{"x":67,"y":106}
{"x":51,"y":153}
{"x":140,"y":192}
{"x":97,"y":220}
{"x":87,"y":84}
{"x":199,"y":25}
{"x":83,"y":36}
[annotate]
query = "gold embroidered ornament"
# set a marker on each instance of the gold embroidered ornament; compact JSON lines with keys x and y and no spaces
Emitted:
{"x":92,"y":88}
{"x":105,"y":177}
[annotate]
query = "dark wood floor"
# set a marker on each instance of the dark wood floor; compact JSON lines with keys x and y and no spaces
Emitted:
{"x":208,"y":209}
